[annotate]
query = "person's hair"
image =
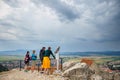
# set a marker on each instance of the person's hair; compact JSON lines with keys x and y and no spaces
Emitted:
{"x":43,"y":47}
{"x":49,"y":48}
{"x":33,"y":51}
{"x":27,"y":53}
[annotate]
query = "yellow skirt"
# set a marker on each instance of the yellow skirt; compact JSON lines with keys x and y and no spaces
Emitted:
{"x":46,"y":62}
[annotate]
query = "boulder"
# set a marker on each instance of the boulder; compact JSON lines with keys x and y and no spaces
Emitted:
{"x":79,"y":71}
{"x":117,"y":76}
{"x":67,"y":65}
{"x":94,"y":67}
{"x":110,"y":76}
{"x":87,"y":70}
{"x":96,"y":77}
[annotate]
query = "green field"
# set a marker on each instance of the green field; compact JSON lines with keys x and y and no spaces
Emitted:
{"x":9,"y":58}
{"x":97,"y":60}
{"x":103,"y":60}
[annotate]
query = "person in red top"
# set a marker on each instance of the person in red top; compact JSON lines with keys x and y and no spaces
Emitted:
{"x":26,"y":60}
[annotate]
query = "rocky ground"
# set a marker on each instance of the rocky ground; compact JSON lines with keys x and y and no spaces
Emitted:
{"x":21,"y":75}
{"x":87,"y":71}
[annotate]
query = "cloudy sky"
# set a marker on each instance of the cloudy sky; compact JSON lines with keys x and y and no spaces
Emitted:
{"x":75,"y":25}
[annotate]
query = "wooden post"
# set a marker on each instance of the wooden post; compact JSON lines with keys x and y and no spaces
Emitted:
{"x":20,"y":65}
{"x":38,"y":66}
{"x":61,"y":62}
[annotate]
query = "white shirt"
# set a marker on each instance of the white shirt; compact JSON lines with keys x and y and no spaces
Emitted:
{"x":57,"y":55}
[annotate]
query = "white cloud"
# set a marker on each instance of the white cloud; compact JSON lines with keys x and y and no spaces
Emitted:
{"x":64,"y":22}
{"x":5,"y":10}
{"x":7,"y":36}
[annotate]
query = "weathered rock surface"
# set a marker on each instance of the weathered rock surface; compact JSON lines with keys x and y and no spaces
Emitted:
{"x":82,"y":71}
{"x":117,"y":76}
{"x":79,"y":71}
{"x":96,"y":77}
{"x":110,"y":76}
{"x":67,"y":65}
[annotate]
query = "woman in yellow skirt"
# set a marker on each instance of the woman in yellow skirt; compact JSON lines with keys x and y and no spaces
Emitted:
{"x":46,"y":60}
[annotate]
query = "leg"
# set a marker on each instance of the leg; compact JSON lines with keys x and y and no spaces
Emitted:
{"x":33,"y":66}
{"x":47,"y":71}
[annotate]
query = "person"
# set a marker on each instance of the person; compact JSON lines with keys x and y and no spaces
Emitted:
{"x":57,"y":57}
{"x":41,"y":54}
{"x":33,"y":58}
{"x":46,"y":60}
{"x":26,"y":60}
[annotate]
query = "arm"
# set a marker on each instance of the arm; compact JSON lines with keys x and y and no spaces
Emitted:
{"x":52,"y":55}
{"x":40,"y":54}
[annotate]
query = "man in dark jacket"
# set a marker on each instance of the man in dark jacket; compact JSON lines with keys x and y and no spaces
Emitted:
{"x":41,"y":54}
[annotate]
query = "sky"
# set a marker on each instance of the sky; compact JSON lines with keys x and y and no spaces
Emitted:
{"x":74,"y":25}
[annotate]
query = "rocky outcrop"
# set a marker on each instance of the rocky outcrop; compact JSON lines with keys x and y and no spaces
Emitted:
{"x":79,"y":71}
{"x":67,"y":65}
{"x":110,"y":76}
{"x":94,"y":67}
{"x":117,"y":76}
{"x":96,"y":77}
{"x":82,"y":71}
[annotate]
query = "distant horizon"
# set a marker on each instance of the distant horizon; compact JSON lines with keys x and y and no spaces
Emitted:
{"x":60,"y":50}
{"x":74,"y":54}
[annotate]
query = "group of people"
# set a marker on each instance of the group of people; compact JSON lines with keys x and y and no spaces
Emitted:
{"x":44,"y":56}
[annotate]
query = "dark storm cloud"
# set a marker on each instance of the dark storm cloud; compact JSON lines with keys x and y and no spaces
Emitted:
{"x":107,"y":19}
{"x":111,"y":29}
{"x":5,"y":24}
{"x":13,"y":27}
{"x":62,"y":9}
